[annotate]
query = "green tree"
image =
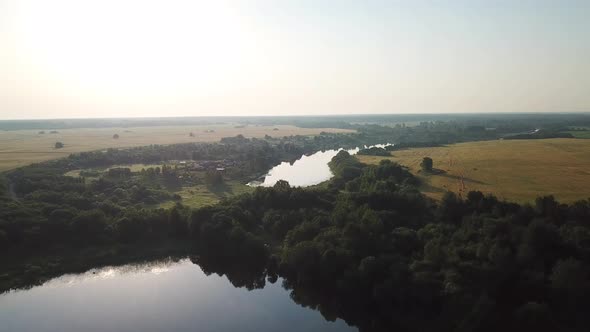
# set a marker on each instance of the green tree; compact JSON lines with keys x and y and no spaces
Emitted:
{"x":426,"y":164}
{"x":282,"y":185}
{"x":89,"y":225}
{"x":214,"y":178}
{"x":178,"y":224}
{"x":130,"y":229}
{"x":3,"y":239}
{"x":451,"y":208}
{"x":534,"y":316}
{"x":569,"y":275}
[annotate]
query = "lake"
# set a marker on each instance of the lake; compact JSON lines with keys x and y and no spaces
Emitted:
{"x":160,"y":296}
{"x":305,"y":171}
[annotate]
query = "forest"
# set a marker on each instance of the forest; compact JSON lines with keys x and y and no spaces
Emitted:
{"x":367,"y":246}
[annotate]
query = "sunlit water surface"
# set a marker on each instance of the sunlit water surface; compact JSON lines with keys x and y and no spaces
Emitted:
{"x":305,"y":171}
{"x":163,"y":296}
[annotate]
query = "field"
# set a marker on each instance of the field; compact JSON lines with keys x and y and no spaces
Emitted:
{"x":200,"y":195}
{"x":580,"y":133}
{"x":515,"y":170}
{"x":23,"y":147}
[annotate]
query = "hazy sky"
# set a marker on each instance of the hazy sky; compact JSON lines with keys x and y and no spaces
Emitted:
{"x":105,"y":58}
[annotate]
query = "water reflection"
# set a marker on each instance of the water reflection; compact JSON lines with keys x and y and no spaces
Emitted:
{"x":164,"y":295}
{"x":305,"y":171}
{"x":110,"y":272}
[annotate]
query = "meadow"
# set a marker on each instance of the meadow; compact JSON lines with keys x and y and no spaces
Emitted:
{"x":580,"y":133}
{"x":23,"y":147}
{"x":515,"y":170}
{"x":200,"y":195}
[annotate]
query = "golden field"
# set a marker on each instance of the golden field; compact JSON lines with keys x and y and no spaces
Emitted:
{"x":23,"y":147}
{"x":515,"y":170}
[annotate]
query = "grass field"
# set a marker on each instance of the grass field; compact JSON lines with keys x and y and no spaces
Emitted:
{"x":200,"y":195}
{"x":23,"y":147}
{"x":515,"y":170}
{"x":580,"y":133}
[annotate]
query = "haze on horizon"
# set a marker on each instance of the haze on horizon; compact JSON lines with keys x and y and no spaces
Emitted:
{"x":129,"y":58}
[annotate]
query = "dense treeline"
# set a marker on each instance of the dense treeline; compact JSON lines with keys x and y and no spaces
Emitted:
{"x":505,"y":123}
{"x":374,"y":151}
{"x":57,"y":210}
{"x":541,"y":134}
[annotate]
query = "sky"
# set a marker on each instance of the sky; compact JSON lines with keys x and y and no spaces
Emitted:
{"x":148,"y":58}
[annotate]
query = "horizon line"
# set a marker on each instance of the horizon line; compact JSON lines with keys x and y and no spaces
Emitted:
{"x":296,"y":115}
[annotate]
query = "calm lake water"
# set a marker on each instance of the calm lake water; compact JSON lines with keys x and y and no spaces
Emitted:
{"x":305,"y":171}
{"x":162,"y":296}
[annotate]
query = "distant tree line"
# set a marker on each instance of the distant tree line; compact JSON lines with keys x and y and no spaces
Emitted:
{"x":541,"y":134}
{"x":374,"y":151}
